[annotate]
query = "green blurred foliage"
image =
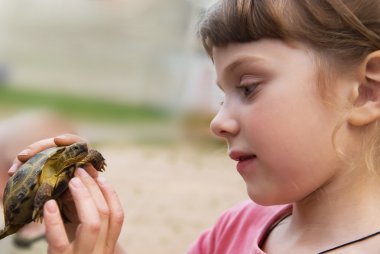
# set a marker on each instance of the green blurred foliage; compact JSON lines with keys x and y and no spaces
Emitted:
{"x":78,"y":107}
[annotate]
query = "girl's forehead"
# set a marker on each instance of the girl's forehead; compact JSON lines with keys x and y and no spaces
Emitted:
{"x":263,"y":52}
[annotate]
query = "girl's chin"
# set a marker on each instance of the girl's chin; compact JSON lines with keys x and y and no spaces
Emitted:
{"x":264,"y":198}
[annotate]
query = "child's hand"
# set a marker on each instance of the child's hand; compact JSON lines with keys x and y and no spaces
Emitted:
{"x":100,"y":218}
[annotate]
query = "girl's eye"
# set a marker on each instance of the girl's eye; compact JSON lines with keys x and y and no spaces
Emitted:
{"x":247,"y":90}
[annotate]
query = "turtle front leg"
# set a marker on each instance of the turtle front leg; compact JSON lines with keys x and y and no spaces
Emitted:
{"x":96,"y":159}
{"x":43,"y":194}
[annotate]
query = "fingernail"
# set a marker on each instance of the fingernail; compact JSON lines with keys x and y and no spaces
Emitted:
{"x":63,"y":136}
{"x":24,"y":152}
{"x":51,"y":207}
{"x":76,"y":182}
{"x":101,"y":180}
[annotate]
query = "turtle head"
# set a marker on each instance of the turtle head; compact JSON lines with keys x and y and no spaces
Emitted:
{"x":74,"y":153}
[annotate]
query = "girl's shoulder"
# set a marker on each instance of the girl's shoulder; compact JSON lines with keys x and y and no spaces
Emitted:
{"x":240,"y":228}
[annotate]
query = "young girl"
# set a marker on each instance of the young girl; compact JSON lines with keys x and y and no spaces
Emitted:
{"x":301,"y":80}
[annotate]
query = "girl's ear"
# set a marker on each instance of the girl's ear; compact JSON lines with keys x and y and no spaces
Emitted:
{"x":366,"y":96}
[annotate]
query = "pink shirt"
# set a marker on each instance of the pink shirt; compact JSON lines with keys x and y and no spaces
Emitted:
{"x":240,"y":230}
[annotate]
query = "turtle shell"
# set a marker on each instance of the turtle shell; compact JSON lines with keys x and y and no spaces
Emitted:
{"x":21,"y":188}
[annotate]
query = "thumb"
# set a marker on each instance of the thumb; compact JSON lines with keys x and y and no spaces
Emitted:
{"x":55,"y":231}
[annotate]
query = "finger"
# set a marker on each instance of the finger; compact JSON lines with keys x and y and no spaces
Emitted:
{"x":94,"y":190}
{"x":35,"y":148}
{"x":91,"y":170}
{"x":16,"y":164}
{"x":116,"y":214}
{"x":68,"y":139}
{"x":55,"y":230}
{"x":101,"y":205}
{"x":88,"y":230}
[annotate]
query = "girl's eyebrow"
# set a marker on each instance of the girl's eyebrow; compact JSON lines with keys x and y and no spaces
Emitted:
{"x":239,"y":61}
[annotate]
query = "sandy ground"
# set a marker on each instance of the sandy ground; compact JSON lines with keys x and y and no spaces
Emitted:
{"x":170,"y":195}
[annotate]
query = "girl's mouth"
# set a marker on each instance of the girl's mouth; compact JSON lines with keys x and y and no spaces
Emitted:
{"x":241,"y":156}
{"x":245,"y":164}
{"x":244,"y":160}
{"x":246,"y":157}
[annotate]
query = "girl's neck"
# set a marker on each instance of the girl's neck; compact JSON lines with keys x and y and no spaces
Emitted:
{"x":339,"y":212}
{"x":353,"y":197}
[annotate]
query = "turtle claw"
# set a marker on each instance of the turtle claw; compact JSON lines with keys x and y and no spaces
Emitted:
{"x":37,"y":215}
{"x":103,"y":167}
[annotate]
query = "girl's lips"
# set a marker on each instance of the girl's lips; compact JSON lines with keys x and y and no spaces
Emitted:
{"x":243,"y":159}
{"x":246,"y":157}
{"x":244,"y":163}
{"x":241,"y":156}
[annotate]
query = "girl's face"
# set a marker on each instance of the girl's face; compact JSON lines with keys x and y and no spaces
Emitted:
{"x":274,"y":120}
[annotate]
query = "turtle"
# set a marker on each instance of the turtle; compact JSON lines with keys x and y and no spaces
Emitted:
{"x":44,"y":176}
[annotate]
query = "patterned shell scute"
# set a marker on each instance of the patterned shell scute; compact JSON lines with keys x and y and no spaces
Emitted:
{"x":23,"y":184}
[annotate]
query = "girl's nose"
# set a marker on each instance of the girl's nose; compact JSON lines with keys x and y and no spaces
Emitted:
{"x":223,"y":125}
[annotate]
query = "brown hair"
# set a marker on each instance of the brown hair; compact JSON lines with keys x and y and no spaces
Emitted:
{"x":341,"y":33}
{"x":344,"y":29}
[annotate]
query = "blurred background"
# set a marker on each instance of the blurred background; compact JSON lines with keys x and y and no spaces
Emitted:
{"x":131,"y":76}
